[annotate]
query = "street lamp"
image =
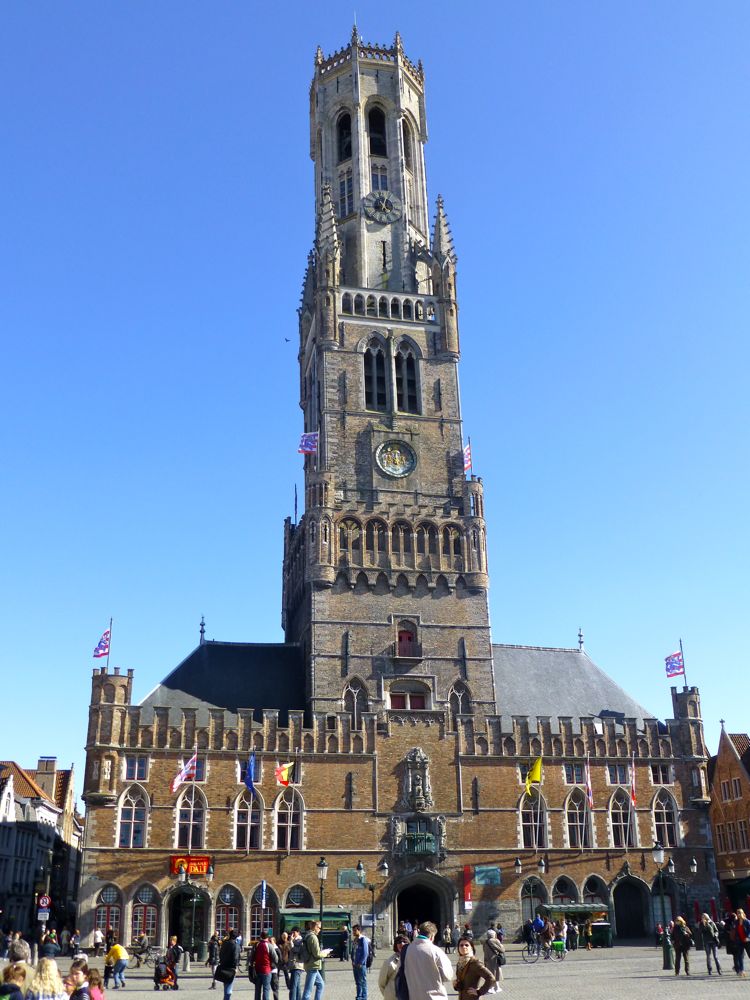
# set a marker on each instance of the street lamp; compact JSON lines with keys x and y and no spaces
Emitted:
{"x":322,"y":867}
{"x":541,"y":866}
{"x":657,"y":854}
{"x":517,"y":866}
{"x":693,"y":866}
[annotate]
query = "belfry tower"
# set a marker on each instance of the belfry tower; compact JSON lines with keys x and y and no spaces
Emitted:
{"x":385,"y":575}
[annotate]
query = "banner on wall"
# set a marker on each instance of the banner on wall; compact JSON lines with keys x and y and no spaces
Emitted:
{"x":468,"y":873}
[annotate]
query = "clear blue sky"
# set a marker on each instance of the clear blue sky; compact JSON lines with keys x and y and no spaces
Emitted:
{"x":156,"y":194}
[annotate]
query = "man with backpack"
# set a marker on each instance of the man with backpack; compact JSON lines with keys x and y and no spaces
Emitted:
{"x":361,"y":961}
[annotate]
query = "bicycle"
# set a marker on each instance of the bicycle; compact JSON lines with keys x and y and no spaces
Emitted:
{"x":529,"y":953}
{"x":150,"y":956}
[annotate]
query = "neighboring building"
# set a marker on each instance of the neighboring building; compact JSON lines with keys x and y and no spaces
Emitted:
{"x":40,"y":843}
{"x":730,"y":817}
{"x":411,"y":732}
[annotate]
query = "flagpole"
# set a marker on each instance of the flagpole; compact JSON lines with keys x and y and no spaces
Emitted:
{"x":109,"y":644}
{"x":684,"y":671}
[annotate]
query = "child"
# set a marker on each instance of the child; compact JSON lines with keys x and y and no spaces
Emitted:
{"x":14,"y":978}
{"x":96,"y":988}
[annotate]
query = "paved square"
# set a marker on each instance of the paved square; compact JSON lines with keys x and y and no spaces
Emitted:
{"x":620,"y":973}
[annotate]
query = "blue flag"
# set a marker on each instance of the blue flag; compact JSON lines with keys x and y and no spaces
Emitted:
{"x":250,"y":774}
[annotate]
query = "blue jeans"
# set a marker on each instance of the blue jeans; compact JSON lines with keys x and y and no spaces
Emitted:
{"x":118,"y":973}
{"x":263,"y":983}
{"x":295,"y":993}
{"x":313,"y":978}
{"x":360,"y":978}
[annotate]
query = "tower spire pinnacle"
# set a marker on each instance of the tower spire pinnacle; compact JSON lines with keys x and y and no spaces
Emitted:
{"x":442,"y":238}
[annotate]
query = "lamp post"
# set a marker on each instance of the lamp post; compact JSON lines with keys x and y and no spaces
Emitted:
{"x":657,"y":854}
{"x":322,"y":867}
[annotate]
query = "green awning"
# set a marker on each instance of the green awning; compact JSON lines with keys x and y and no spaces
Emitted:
{"x":574,"y":909}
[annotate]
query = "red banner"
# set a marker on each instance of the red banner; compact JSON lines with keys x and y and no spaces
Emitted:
{"x":468,"y":873}
{"x":195,"y":864}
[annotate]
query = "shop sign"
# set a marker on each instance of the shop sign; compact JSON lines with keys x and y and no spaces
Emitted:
{"x":194,"y":864}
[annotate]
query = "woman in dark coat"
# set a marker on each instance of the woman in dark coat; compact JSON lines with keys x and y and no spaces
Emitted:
{"x":470,"y":971}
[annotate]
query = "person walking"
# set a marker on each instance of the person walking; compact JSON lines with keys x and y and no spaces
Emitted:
{"x":710,"y":940}
{"x":172,"y":958}
{"x":427,"y":969}
{"x":295,"y":963}
{"x":212,"y":961}
{"x":229,"y":960}
{"x":493,"y":954}
{"x":117,"y":957}
{"x":447,"y":939}
{"x":389,"y":968}
{"x":360,"y":954}
{"x":682,"y":942}
{"x":344,"y":943}
{"x":455,"y":936}
{"x":742,"y":939}
{"x":98,"y":941}
{"x":469,"y":972}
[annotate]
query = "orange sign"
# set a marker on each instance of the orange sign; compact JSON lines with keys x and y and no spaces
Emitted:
{"x":194,"y":864}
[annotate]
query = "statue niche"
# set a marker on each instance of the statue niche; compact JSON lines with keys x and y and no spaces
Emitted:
{"x":416,"y":791}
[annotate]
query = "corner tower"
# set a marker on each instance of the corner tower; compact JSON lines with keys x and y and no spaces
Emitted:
{"x":385,"y":575}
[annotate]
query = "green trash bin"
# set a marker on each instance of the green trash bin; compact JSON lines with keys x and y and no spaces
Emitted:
{"x":202,"y":948}
{"x":601,"y":934}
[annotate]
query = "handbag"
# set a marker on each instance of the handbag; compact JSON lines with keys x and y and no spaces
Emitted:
{"x":225,"y":975}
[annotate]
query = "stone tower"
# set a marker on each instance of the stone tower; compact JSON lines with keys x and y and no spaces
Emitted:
{"x":385,"y":575}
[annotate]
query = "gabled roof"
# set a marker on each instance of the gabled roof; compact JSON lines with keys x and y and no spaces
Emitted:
{"x":538,"y":681}
{"x":230,"y":676}
{"x":24,"y":783}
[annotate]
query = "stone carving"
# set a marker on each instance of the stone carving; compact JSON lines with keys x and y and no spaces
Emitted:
{"x":416,"y":792}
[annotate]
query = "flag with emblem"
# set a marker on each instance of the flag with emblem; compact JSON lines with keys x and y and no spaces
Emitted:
{"x":102,"y":647}
{"x":186,"y":773}
{"x":308,"y":444}
{"x":467,"y":457}
{"x":534,"y":775}
{"x":675,"y":664}
{"x":250,"y":774}
{"x":589,"y":788}
{"x":632,"y":780}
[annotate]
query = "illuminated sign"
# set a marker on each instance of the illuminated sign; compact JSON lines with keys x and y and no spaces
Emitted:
{"x":194,"y":864}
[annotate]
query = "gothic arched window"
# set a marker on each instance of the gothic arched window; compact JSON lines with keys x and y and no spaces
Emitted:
{"x":298,"y":897}
{"x":355,"y":702}
{"x":578,"y":819}
{"x":534,"y":820}
{"x":350,"y":538}
{"x":376,"y":128}
{"x":406,"y":380}
{"x":108,"y":909}
{"x":564,"y":891}
{"x":533,"y":894}
{"x":264,"y":913}
{"x":623,"y":820}
{"x":408,"y":149}
{"x":228,"y":910}
{"x":346,"y":193}
{"x":375,"y":537}
{"x":344,"y":138}
{"x":191,"y":819}
{"x":289,"y":821}
{"x":374,"y":362}
{"x":459,"y":702}
{"x":133,"y":812}
{"x":145,"y":913}
{"x":665,"y":821}
{"x":248,"y":823}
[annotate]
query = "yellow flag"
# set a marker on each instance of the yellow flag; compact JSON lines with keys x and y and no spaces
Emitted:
{"x":534,"y":775}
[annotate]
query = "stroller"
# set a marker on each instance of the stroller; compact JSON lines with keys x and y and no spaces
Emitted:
{"x":164,"y":977}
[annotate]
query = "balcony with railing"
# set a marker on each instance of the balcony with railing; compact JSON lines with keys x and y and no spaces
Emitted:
{"x":416,"y":844}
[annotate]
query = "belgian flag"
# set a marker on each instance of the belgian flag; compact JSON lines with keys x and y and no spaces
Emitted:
{"x":286,"y":774}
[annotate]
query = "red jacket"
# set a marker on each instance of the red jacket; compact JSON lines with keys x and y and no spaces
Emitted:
{"x":262,"y":958}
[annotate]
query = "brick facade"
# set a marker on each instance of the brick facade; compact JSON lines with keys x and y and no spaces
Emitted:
{"x":410,"y":746}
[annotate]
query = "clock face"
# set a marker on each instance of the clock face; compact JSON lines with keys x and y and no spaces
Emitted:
{"x":382,"y":206}
{"x":395,"y":458}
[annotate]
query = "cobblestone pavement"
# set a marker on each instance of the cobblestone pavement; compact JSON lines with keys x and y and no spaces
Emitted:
{"x":621,"y":973}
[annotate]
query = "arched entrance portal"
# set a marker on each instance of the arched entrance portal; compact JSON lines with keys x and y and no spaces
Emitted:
{"x":421,"y":896}
{"x":417,"y":904}
{"x":631,"y":901}
{"x":188,"y":917}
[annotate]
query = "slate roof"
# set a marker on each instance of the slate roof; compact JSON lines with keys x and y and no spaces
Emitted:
{"x":230,"y":676}
{"x":537,"y":681}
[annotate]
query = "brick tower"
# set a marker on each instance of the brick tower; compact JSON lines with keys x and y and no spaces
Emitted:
{"x":385,"y":575}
